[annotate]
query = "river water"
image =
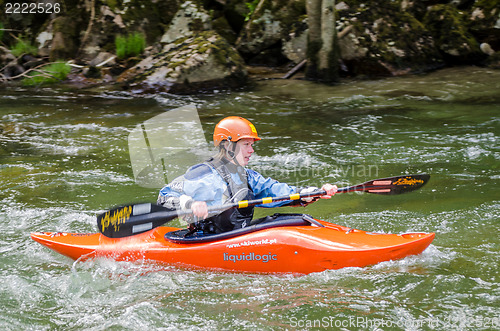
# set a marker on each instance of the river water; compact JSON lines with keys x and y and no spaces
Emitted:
{"x":64,"y":159}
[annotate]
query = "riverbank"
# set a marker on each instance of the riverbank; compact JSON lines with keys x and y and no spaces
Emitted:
{"x":184,"y":46}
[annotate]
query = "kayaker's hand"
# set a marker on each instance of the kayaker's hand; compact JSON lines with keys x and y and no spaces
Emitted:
{"x":200,"y":209}
{"x":330,"y":191}
{"x":308,"y":200}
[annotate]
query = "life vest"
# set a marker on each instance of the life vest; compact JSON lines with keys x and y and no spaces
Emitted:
{"x":234,"y":218}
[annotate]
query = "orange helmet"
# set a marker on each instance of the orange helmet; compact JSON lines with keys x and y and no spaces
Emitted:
{"x":234,"y":128}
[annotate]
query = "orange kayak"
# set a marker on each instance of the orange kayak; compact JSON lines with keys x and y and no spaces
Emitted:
{"x":284,"y":248}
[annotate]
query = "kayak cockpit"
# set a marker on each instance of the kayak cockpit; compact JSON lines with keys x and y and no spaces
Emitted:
{"x":277,"y":220}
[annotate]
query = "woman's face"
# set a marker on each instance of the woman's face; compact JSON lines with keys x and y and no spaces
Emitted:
{"x":244,"y":149}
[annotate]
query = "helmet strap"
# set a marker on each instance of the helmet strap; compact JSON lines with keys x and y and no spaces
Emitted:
{"x":229,"y":149}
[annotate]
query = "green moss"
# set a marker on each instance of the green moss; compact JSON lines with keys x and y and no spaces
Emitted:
{"x":447,"y":26}
{"x":223,"y":28}
{"x":491,"y":8}
{"x":484,"y":15}
{"x":225,"y":54}
{"x":23,"y":47}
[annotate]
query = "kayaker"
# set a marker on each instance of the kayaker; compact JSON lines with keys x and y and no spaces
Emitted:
{"x":225,"y":179}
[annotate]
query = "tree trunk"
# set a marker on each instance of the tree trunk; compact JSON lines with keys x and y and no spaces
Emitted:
{"x":322,"y":47}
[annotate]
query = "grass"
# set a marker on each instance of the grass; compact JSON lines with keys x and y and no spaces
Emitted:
{"x":23,"y":47}
{"x":51,"y":73}
{"x":129,"y":46}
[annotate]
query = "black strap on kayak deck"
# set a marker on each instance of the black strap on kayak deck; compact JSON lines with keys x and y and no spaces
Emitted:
{"x":274,"y":221}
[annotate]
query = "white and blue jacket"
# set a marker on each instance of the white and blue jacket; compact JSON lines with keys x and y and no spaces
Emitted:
{"x":203,"y":182}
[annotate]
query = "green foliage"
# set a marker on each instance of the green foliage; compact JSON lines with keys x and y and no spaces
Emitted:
{"x":50,"y":73}
{"x":23,"y":47}
{"x":131,"y":45}
{"x":1,"y":31}
{"x":251,"y":5}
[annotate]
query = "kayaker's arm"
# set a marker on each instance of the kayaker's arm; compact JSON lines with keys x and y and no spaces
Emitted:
{"x":199,"y":184}
{"x":268,"y":187}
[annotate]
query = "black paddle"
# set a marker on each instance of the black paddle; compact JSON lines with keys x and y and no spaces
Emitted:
{"x":129,"y":220}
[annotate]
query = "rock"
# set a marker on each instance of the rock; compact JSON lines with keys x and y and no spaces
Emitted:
{"x":103,"y":58}
{"x":189,"y":20}
{"x":350,"y":48}
{"x":192,"y":58}
{"x":484,"y":17}
{"x":96,"y":34}
{"x":484,"y":24}
{"x":29,"y":61}
{"x":221,"y":25}
{"x":12,"y":69}
{"x":261,"y":33}
{"x":384,"y":41}
{"x":112,"y":18}
{"x":203,"y":61}
{"x":486,"y":49}
{"x":44,"y":40}
{"x":273,"y":24}
{"x":341,"y":6}
{"x":445,"y":24}
{"x":295,"y":46}
{"x":92,"y":72}
{"x":5,"y":56}
{"x":493,"y":61}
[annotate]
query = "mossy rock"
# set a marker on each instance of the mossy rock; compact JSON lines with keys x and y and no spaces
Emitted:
{"x":392,"y":40}
{"x":150,"y":16}
{"x":223,"y":28}
{"x":270,"y":26}
{"x":484,"y":16}
{"x":448,"y":28}
{"x":484,"y":22}
{"x":204,"y":61}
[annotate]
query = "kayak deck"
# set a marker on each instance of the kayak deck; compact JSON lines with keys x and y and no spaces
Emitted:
{"x":287,"y":249}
